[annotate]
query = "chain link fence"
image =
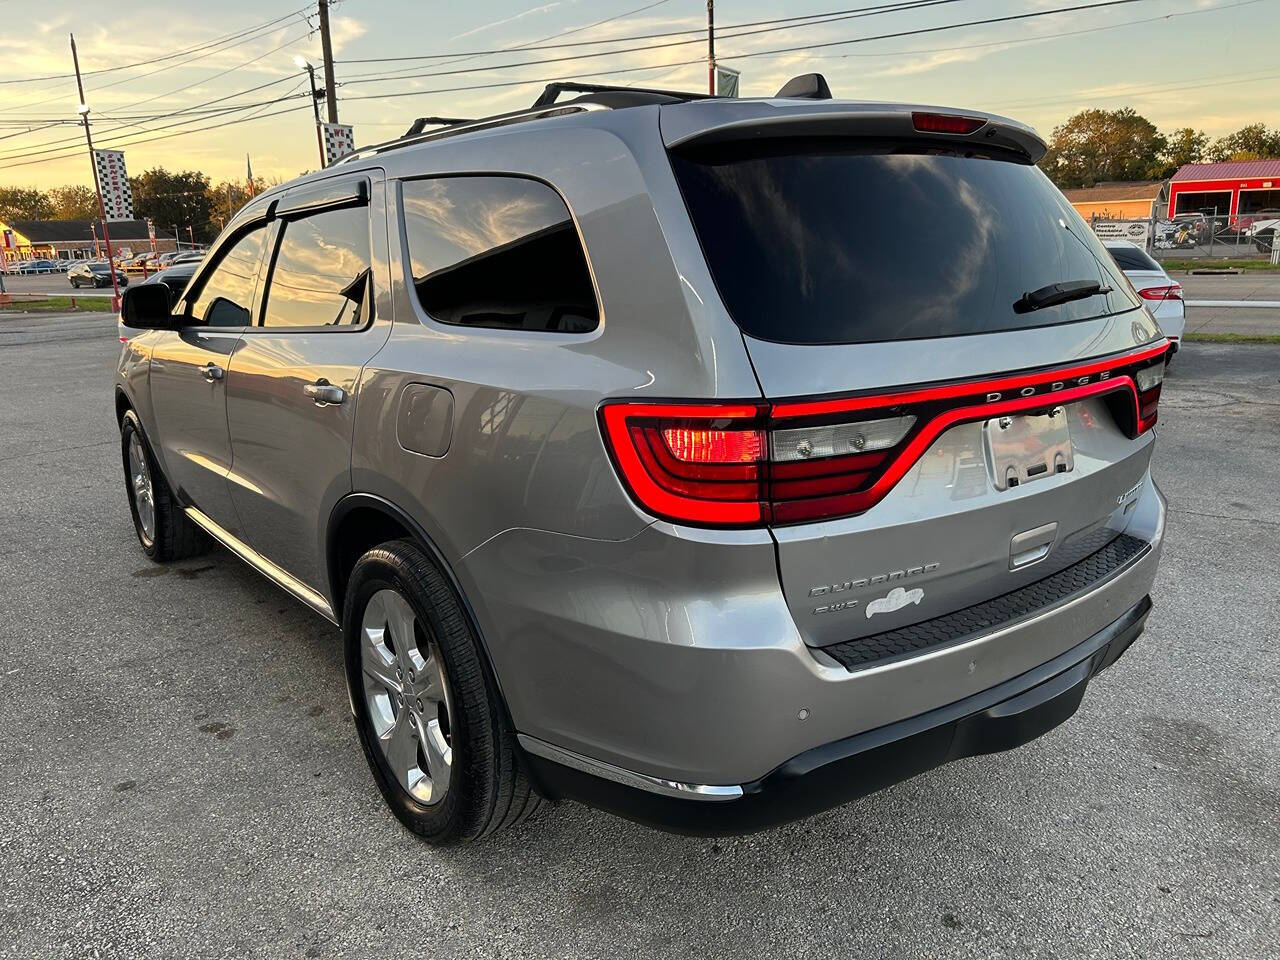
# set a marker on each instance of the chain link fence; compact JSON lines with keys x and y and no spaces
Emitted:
{"x":1245,"y":236}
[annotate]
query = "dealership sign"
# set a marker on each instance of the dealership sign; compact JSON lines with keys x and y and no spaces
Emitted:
{"x":113,"y":181}
{"x":1135,"y":231}
{"x":339,"y":140}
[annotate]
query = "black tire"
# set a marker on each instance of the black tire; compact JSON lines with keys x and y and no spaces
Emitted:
{"x":488,"y":788}
{"x":176,"y":537}
{"x":74,"y":285}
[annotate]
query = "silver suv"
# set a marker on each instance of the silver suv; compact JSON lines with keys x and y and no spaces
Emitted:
{"x":709,"y":461}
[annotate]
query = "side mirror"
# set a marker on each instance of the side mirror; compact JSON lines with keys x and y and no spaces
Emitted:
{"x":146,"y":307}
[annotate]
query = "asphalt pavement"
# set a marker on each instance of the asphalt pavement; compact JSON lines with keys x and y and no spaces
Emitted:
{"x":179,"y":775}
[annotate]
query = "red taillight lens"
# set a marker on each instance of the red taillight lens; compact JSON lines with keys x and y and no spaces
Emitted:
{"x":692,"y":463}
{"x":1171,"y":292}
{"x":750,"y":464}
{"x":946,"y":123}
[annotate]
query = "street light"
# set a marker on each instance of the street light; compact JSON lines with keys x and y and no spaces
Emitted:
{"x":302,"y":63}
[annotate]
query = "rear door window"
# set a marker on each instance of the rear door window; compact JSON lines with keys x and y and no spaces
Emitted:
{"x":497,"y":252}
{"x":817,"y":242}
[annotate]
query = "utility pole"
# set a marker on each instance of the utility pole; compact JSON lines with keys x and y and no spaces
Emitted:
{"x":326,"y":50}
{"x":83,"y":110}
{"x":306,"y":65}
{"x":711,"y":47}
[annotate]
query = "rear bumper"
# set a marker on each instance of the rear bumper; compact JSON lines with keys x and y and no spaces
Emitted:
{"x":1000,"y":718}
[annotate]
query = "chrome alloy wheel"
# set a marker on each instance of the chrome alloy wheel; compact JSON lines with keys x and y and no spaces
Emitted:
{"x":144,"y":499}
{"x":406,"y":696}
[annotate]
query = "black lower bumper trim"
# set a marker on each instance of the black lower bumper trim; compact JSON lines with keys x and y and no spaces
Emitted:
{"x":1000,"y":718}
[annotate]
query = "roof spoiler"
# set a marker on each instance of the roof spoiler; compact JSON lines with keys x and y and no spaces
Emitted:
{"x":779,"y":119}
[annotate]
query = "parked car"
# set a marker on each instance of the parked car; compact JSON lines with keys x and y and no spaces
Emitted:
{"x":1162,"y":293}
{"x":38,"y":266}
{"x":95,"y":274}
{"x":1249,"y":223}
{"x":630,"y":474}
{"x":191,"y":256}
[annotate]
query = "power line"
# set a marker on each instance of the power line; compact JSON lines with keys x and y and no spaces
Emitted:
{"x":153,"y":60}
{"x":28,"y":154}
{"x":1039,"y":37}
{"x":166,"y":136}
{"x":256,"y":35}
{"x":700,"y":31}
{"x":1253,"y":77}
{"x":140,"y":121}
{"x":901,"y":5}
{"x":761,"y":53}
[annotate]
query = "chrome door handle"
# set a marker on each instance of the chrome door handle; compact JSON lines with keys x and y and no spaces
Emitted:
{"x":212,"y":372}
{"x":322,"y":392}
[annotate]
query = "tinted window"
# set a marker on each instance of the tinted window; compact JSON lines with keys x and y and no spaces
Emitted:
{"x":226,"y":298}
{"x":321,"y":272}
{"x":1131,"y":258}
{"x":497,"y":252}
{"x":814,"y":242}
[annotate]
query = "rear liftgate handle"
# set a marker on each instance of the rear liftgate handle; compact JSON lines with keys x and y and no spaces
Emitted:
{"x":1032,"y":546}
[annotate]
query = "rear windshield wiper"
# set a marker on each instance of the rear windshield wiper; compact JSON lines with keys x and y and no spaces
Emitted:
{"x":1056,"y":293}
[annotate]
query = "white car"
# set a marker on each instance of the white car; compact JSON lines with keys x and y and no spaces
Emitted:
{"x":1162,"y":293}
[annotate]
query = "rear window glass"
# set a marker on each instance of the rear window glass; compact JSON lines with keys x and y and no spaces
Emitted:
{"x":857,"y":242}
{"x":497,"y":252}
{"x":1131,"y":258}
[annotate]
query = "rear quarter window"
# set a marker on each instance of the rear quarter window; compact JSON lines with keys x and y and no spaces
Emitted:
{"x":498,"y":252}
{"x":851,"y":241}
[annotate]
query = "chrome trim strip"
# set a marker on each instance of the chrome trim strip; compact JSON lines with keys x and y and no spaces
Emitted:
{"x":281,"y":578}
{"x":629,"y":778}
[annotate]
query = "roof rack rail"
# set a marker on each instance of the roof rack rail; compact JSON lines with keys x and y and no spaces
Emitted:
{"x":423,"y":122}
{"x":592,"y":96}
{"x":613,"y":96}
{"x":470,"y":126}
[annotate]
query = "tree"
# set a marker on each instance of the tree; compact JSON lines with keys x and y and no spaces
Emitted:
{"x":1186,"y":145}
{"x":24,"y":203}
{"x":174,"y":199}
{"x":73,"y":202}
{"x":1096,"y":145}
{"x":1254,"y":142}
{"x":227,"y":198}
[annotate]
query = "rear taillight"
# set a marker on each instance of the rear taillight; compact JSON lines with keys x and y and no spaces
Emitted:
{"x":755,"y":463}
{"x":1148,"y":380}
{"x":1171,"y":292}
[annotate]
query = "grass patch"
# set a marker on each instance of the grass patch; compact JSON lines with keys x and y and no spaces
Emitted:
{"x":1233,"y":337}
{"x":1263,"y":266}
{"x":60,"y":305}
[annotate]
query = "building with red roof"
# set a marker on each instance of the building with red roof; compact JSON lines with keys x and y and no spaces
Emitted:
{"x":1236,"y":189}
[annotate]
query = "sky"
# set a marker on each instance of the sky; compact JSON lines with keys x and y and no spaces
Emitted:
{"x":1208,"y":64}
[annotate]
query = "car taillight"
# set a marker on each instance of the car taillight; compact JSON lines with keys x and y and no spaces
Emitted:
{"x":1170,"y":292}
{"x":1149,"y":381}
{"x":752,"y":463}
{"x":946,"y":123}
{"x":692,"y":463}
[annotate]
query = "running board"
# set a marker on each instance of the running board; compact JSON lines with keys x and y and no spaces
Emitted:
{"x":281,"y":578}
